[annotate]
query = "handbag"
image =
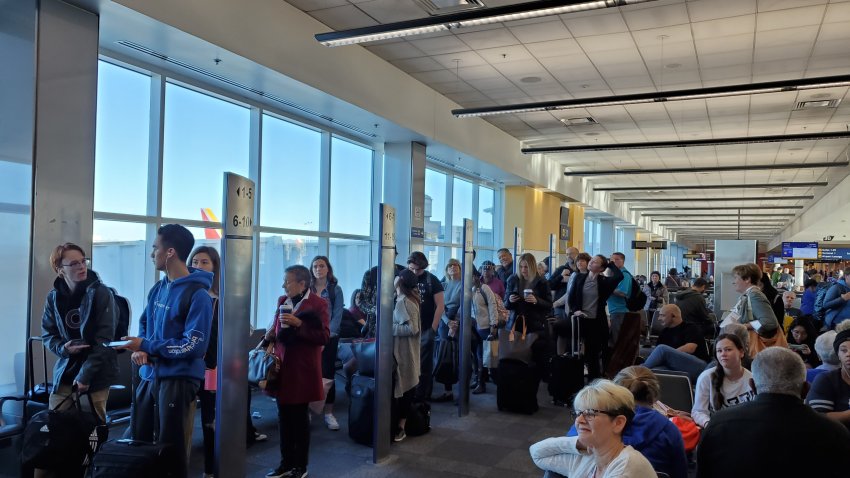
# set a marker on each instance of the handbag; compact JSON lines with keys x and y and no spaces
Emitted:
{"x":446,"y":371}
{"x":63,"y":439}
{"x":263,"y":366}
{"x":491,"y":354}
{"x":516,"y":346}
{"x":690,"y":432}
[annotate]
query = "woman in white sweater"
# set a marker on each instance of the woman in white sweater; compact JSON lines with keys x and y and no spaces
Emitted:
{"x":406,"y":331}
{"x":602,"y":410}
{"x":486,"y":312}
{"x":725,"y":385}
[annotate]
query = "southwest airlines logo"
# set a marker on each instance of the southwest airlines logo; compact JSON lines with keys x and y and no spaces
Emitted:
{"x":208,"y":216}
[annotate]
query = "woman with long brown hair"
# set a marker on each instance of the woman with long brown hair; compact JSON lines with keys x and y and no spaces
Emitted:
{"x":725,"y":385}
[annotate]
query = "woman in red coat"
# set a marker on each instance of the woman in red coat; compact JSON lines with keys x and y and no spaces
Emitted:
{"x":300,"y":330}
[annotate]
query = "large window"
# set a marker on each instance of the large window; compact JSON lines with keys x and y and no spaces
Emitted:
{"x":449,"y":199}
{"x":351,"y":188}
{"x":123,"y":117}
{"x":314,"y":186}
{"x":204,"y":137}
{"x":291,"y":168}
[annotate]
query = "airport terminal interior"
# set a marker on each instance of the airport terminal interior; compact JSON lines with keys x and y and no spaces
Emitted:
{"x":690,"y":136}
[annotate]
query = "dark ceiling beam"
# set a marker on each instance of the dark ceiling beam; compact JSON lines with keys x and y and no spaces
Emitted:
{"x":660,"y":97}
{"x":690,"y":143}
{"x":714,"y":199}
{"x":710,"y":169}
{"x":813,"y":184}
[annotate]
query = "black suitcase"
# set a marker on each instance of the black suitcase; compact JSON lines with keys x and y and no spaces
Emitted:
{"x":127,"y":458}
{"x":517,"y":389}
{"x":419,"y":419}
{"x":361,"y":409}
{"x":568,"y":370}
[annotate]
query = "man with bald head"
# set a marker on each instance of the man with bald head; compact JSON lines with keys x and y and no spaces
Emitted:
{"x":560,"y":277}
{"x":681,"y":346}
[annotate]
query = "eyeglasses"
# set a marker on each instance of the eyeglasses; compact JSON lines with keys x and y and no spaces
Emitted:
{"x":591,"y":413}
{"x":75,"y":264}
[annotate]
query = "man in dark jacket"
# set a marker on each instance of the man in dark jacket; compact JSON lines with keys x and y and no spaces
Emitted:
{"x":506,"y":265}
{"x":173,"y":338}
{"x":692,"y":304}
{"x":559,"y":279}
{"x":743,"y":441}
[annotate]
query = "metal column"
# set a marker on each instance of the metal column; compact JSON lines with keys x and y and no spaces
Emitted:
{"x":237,"y":258}
{"x":554,"y":259}
{"x":467,"y":322}
{"x":384,"y":347}
{"x":517,"y":246}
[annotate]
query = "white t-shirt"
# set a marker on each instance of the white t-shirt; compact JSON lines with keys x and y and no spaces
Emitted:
{"x":561,"y":456}
{"x":734,"y":393}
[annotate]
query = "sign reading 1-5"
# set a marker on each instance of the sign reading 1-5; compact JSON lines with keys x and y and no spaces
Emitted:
{"x":239,"y":205}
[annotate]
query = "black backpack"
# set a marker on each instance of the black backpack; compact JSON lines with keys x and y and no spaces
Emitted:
{"x":637,"y":299}
{"x":122,"y":325}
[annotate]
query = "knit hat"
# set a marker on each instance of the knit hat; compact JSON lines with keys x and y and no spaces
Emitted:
{"x":840,"y":338}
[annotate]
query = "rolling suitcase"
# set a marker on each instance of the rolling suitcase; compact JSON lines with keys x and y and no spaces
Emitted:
{"x":517,"y":389}
{"x":419,"y":420}
{"x":568,"y":370}
{"x":361,"y":409}
{"x":127,"y":458}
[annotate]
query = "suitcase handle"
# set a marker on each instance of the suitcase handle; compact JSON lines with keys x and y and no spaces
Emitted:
{"x":29,"y":379}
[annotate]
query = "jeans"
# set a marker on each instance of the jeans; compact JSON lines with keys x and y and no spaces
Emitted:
{"x":616,"y":320}
{"x":426,"y":363}
{"x":666,"y":357}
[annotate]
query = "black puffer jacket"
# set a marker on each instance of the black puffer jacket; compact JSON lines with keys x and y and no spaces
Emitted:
{"x":98,"y":365}
{"x":535,"y":314}
{"x":605,"y":285}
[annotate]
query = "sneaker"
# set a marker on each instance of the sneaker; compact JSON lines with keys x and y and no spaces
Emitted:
{"x":399,"y":436}
{"x":279,"y":472}
{"x":331,"y":422}
{"x":296,"y":473}
{"x":260,"y":436}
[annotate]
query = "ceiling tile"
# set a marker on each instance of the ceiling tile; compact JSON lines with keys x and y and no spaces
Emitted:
{"x":769,"y":5}
{"x":465,"y":59}
{"x":716,"y":65}
{"x":834,"y":31}
{"x":789,"y":18}
{"x":388,"y":11}
{"x":478,"y":72}
{"x":436,"y":76}
{"x":741,"y":25}
{"x":656,"y":17}
{"x":581,"y":25}
{"x":702,"y":10}
{"x":539,"y":32}
{"x":519,"y":68}
{"x":624,"y":68}
{"x":440,"y":45}
{"x":725,"y":44}
{"x":343,"y":18}
{"x":489,"y":39}
{"x":396,"y":51}
{"x":415,"y":65}
{"x":554,"y":48}
{"x":609,"y":42}
{"x":308,"y":5}
{"x":837,"y":13}
{"x":506,"y":54}
{"x":492,"y":84}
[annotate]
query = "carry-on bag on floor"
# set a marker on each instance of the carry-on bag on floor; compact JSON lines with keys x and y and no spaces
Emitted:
{"x":419,"y":419}
{"x":361,"y":409}
{"x":517,"y":388}
{"x":567,"y":371}
{"x":127,"y":458}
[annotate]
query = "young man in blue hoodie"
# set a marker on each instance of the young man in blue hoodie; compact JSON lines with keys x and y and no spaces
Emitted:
{"x":173,"y":337}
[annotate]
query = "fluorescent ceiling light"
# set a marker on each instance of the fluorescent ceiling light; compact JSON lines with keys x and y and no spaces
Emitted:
{"x":718,"y":215}
{"x":661,"y":97}
{"x":469,"y":18}
{"x":710,"y":169}
{"x":647,"y":209}
{"x":712,"y":186}
{"x":703,"y":199}
{"x":691,"y":142}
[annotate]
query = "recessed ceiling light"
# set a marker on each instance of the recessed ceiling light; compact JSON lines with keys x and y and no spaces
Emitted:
{"x":531,"y":79}
{"x":795,"y":149}
{"x":673,"y":65}
{"x":591,"y":134}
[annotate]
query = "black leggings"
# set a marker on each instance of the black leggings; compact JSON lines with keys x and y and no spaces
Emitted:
{"x":294,"y":435}
{"x":594,"y":332}
{"x":207,"y":398}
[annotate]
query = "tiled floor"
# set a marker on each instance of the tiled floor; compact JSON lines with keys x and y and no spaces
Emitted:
{"x":484,"y":444}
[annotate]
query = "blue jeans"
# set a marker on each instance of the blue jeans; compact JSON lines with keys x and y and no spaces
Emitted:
{"x":666,"y":357}
{"x":426,"y":363}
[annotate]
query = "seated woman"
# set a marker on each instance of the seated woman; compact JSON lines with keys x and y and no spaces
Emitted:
{"x":754,"y":309}
{"x":650,"y":432}
{"x":602,"y":411}
{"x":726,"y":385}
{"x":830,"y":393}
{"x":827,"y":355}
{"x":801,"y":338}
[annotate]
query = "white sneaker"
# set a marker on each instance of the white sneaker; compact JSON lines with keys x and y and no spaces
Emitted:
{"x":331,"y":422}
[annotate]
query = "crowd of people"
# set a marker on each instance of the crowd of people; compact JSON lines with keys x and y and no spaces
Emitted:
{"x":765,"y":353}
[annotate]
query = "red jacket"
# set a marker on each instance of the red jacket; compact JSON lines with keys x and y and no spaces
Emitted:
{"x":300,"y":350}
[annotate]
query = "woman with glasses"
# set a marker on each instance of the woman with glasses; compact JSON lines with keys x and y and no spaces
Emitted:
{"x":602,"y":411}
{"x":78,"y":321}
{"x":450,"y":321}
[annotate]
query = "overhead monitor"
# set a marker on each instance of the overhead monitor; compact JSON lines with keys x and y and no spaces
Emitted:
{"x":800,"y":250}
{"x":834,"y":254}
{"x":776,"y":259}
